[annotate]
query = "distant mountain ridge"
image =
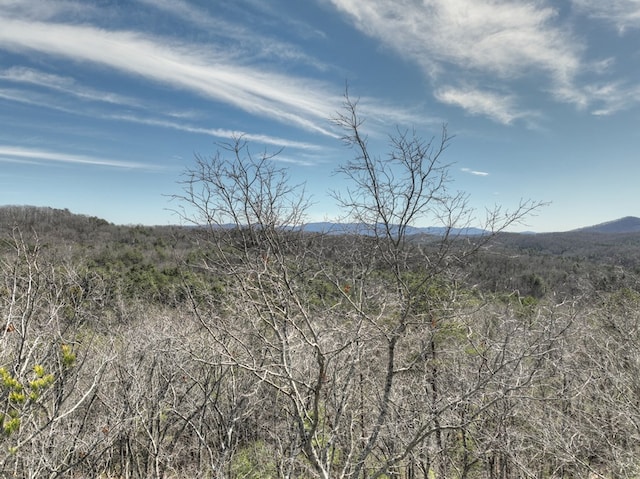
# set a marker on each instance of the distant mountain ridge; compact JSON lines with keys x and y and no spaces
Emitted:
{"x":52,"y":218}
{"x":363,"y":229}
{"x":628,"y":224}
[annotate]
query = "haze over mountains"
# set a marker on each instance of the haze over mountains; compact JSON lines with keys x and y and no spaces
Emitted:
{"x":361,"y":228}
{"x":34,"y":214}
{"x":628,"y":224}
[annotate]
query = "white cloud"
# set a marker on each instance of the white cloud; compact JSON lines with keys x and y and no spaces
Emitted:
{"x":248,"y":43}
{"x":218,"y":132}
{"x":197,"y":68}
{"x":502,"y":39}
{"x":29,"y":155}
{"x":604,"y":98}
{"x":293,"y":161}
{"x":499,"y":108}
{"x":34,"y":99}
{"x":474,"y":172}
{"x":63,"y":84}
{"x":622,"y":14}
{"x":39,"y":10}
{"x":612,"y":97}
{"x":506,"y":38}
{"x":239,"y":32}
{"x":30,"y":98}
{"x":186,"y":11}
{"x":214,"y":71}
{"x":28,"y":75}
{"x":45,"y":101}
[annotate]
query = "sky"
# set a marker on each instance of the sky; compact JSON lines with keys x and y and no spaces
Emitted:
{"x":104,"y":104}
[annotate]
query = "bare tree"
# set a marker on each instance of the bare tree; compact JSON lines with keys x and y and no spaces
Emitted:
{"x":49,"y":371}
{"x":347,"y":330}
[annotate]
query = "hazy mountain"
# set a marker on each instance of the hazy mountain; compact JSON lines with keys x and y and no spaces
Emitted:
{"x":628,"y":224}
{"x":361,"y":228}
{"x":46,"y":218}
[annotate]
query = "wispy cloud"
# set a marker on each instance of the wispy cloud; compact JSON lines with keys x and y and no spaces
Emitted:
{"x":501,"y":108}
{"x":224,"y":67}
{"x":28,"y":75}
{"x":293,"y":161}
{"x":39,"y":10}
{"x":30,"y":155}
{"x":501,"y":40}
{"x":505,"y":38}
{"x":218,"y":132}
{"x":63,"y":84}
{"x":34,"y":99}
{"x":474,"y":172}
{"x":177,"y":121}
{"x":197,"y":68}
{"x":612,"y":97}
{"x":186,"y":12}
{"x":603,"y":98}
{"x":622,"y":14}
{"x":247,"y":42}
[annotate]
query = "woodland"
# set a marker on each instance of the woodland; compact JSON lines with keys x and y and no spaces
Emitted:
{"x":238,"y":345}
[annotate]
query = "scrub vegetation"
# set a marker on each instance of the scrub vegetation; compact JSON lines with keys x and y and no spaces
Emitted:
{"x":239,"y":345}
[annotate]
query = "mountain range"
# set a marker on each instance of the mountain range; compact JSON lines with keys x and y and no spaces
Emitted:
{"x":33,"y":215}
{"x":628,"y":224}
{"x":361,"y":228}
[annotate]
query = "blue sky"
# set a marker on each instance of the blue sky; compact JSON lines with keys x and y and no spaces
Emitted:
{"x":103,"y":104}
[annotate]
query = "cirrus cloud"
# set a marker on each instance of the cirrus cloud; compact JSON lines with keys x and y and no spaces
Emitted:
{"x":501,"y":108}
{"x":491,"y":42}
{"x":622,"y":14}
{"x":200,"y":69}
{"x":474,"y":172}
{"x":30,"y":155}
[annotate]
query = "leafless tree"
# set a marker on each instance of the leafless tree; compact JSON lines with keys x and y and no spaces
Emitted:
{"x":50,"y":374}
{"x":347,"y":330}
{"x":290,"y":353}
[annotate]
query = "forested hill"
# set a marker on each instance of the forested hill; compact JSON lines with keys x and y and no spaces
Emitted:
{"x":615,"y":243}
{"x":575,"y":262}
{"x":628,"y":224}
{"x":66,"y":224}
{"x":602,"y":248}
{"x":140,"y":352}
{"x":61,"y":226}
{"x":46,"y":220}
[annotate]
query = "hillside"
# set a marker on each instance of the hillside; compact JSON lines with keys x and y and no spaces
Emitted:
{"x":146,"y":258}
{"x":628,"y":224}
{"x":45,"y":220}
{"x":131,"y":351}
{"x":51,"y":219}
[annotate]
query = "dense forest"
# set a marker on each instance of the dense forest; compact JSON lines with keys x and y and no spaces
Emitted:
{"x":237,"y":345}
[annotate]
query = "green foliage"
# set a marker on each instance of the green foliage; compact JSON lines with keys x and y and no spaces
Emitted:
{"x":534,"y":285}
{"x":9,"y":382}
{"x":67,"y":355}
{"x":254,"y":461}
{"x":18,"y":398}
{"x":10,"y":425}
{"x":144,"y":273}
